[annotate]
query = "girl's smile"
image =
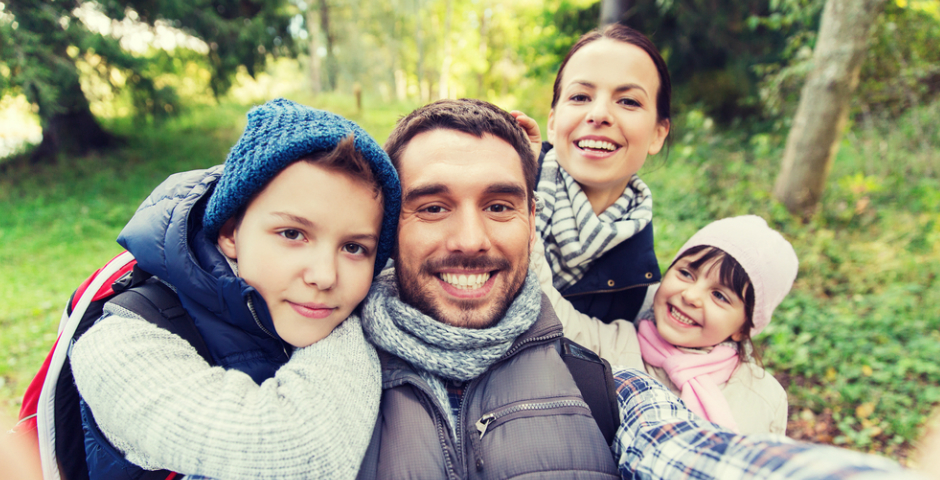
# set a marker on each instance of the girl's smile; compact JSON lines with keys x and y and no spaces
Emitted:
{"x":694,"y":309}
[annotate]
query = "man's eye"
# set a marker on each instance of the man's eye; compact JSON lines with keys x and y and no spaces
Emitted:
{"x":291,"y":234}
{"x":433,"y":209}
{"x":498,"y":208}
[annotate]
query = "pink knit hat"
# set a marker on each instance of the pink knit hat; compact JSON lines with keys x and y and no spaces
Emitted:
{"x":767,"y":258}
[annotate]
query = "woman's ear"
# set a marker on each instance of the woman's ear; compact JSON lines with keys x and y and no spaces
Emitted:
{"x":659,"y":138}
{"x":227,"y":239}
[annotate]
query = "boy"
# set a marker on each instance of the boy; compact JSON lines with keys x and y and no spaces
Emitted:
{"x":268,"y":256}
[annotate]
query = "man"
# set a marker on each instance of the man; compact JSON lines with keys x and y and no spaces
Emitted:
{"x":473,"y":385}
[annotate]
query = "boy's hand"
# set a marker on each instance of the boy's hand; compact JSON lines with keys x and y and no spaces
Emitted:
{"x":531,"y":128}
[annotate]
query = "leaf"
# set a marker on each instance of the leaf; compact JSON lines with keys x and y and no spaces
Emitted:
{"x":864,"y":410}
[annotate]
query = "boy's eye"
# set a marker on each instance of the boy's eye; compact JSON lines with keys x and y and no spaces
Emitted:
{"x":354,"y":248}
{"x":291,"y":234}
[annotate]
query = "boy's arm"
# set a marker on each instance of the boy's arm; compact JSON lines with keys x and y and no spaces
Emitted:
{"x":616,"y":341}
{"x":162,"y":405}
{"x":660,"y":438}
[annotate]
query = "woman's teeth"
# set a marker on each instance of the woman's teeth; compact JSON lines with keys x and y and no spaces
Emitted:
{"x":681,"y":317}
{"x":465,"y":282}
{"x":597,"y":145}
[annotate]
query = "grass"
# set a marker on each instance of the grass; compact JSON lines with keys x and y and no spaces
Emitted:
{"x":855,"y":343}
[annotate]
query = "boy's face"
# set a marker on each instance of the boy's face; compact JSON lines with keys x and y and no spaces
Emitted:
{"x":694,"y":309}
{"x":307,"y":243}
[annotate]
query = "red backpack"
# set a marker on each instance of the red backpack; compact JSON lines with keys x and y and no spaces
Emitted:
{"x":51,"y":412}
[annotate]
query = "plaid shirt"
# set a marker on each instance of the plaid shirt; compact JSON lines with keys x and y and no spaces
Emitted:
{"x":660,"y":438}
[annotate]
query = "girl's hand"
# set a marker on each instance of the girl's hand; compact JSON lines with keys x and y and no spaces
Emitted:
{"x":531,"y":128}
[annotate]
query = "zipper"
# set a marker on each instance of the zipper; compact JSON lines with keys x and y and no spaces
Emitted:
{"x":254,"y":315}
{"x":609,"y":291}
{"x":519,"y":346}
{"x":484,"y":422}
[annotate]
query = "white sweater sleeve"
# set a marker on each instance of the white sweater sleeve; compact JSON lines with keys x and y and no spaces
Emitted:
{"x":616,"y":341}
{"x":161,"y":404}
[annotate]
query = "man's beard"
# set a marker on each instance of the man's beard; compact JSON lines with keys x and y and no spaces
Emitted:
{"x":420,"y":297}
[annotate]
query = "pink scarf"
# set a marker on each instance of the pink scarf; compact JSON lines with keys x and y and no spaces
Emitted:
{"x":697,"y":376}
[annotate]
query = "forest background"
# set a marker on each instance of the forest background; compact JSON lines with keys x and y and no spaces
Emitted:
{"x":102,"y":100}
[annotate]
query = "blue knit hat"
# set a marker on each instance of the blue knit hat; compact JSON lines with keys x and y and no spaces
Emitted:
{"x":280,"y":132}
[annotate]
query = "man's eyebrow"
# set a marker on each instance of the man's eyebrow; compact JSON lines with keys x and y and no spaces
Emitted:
{"x":424,"y":191}
{"x":506,"y":189}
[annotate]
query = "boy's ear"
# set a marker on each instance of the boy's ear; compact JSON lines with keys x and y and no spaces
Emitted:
{"x":227,"y":239}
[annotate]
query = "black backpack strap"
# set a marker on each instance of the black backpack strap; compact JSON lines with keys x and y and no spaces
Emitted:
{"x":160,"y":305}
{"x":595,"y":379}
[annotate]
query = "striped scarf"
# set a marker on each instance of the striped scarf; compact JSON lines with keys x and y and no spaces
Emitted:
{"x":574,"y":236}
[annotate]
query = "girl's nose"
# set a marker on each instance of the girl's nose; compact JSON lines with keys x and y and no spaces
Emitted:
{"x":692,"y":296}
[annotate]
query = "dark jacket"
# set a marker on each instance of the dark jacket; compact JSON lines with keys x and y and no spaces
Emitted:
{"x":615,"y":285}
{"x":523,"y":417}
{"x":165,"y":236}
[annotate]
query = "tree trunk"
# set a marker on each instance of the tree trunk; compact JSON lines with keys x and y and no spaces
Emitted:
{"x":824,"y":103}
{"x":331,"y":66}
{"x":446,"y":61}
{"x":313,"y":31}
{"x":70,"y":127}
{"x":613,"y":11}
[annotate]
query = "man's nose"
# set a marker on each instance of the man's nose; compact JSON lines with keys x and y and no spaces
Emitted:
{"x":468,"y":233}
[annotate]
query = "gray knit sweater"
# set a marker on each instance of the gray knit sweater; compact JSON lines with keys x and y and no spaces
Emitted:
{"x":164,"y":407}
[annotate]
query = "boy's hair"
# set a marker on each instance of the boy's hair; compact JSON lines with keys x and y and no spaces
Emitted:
{"x":281,"y":132}
{"x":732,"y":275}
{"x":344,"y":159}
{"x":466,"y":115}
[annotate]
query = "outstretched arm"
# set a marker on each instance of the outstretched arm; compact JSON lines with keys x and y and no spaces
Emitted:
{"x":660,"y":438}
{"x":164,"y":407}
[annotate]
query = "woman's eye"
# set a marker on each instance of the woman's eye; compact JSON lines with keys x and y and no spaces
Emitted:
{"x":354,"y":248}
{"x":291,"y":234}
{"x":629,"y":102}
{"x":579,"y":97}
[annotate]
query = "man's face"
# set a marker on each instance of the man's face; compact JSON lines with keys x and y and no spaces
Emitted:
{"x":465,"y":229}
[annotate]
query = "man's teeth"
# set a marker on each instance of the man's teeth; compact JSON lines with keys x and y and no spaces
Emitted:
{"x":681,"y":317}
{"x":466,"y":282}
{"x":597,"y":145}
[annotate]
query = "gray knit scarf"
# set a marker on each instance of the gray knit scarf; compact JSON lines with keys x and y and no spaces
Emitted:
{"x":574,"y":236}
{"x":438,"y":350}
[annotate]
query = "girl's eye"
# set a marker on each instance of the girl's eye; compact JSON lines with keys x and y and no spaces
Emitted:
{"x":354,"y":248}
{"x":685,"y":273}
{"x":721,"y":297}
{"x":291,"y":234}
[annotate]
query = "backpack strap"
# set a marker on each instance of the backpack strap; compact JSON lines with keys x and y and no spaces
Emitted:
{"x":595,"y":379}
{"x":160,"y":305}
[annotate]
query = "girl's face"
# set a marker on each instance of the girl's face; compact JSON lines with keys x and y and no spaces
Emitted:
{"x":694,"y":309}
{"x":605,"y":122}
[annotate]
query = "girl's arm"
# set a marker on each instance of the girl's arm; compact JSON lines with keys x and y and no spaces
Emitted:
{"x":164,"y":407}
{"x":616,"y":341}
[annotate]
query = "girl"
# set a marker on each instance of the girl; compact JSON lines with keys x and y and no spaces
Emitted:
{"x":610,"y":110}
{"x":720,"y":290}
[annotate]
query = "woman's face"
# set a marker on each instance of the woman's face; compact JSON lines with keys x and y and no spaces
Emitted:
{"x":605,"y":122}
